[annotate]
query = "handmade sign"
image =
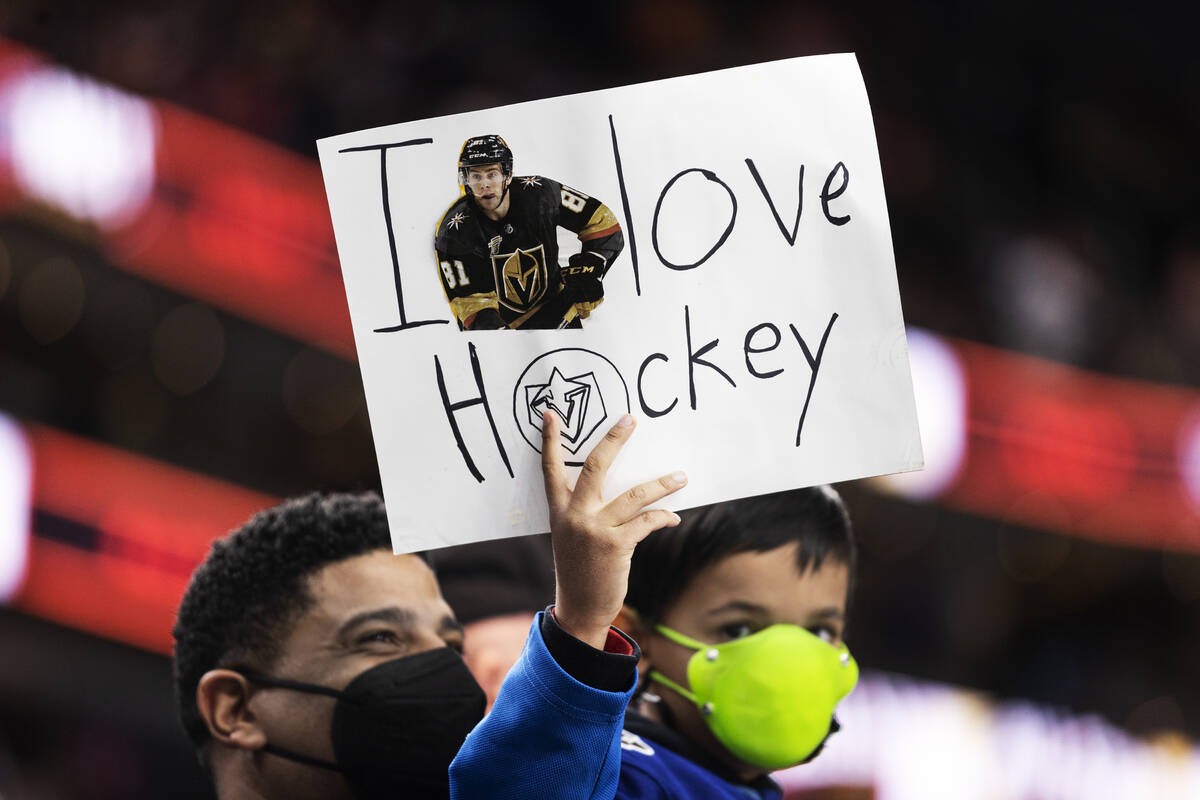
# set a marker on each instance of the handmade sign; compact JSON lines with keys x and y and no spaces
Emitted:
{"x":709,"y":253}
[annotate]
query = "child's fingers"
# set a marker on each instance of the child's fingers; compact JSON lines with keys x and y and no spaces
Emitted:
{"x":647,"y":522}
{"x":553,"y":472}
{"x":595,"y":467}
{"x":630,"y":503}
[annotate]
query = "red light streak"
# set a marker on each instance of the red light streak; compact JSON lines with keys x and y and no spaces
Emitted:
{"x":1064,"y":449}
{"x":155,"y":524}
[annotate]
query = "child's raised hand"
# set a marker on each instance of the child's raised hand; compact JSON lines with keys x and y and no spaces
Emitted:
{"x":594,"y":540}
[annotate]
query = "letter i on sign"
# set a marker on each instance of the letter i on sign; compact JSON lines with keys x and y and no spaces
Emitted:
{"x":387,"y":218}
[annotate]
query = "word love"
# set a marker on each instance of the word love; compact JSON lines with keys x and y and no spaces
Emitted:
{"x":837,"y":181}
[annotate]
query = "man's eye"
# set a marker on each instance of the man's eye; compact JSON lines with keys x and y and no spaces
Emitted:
{"x":736,"y":630}
{"x":385,"y":637}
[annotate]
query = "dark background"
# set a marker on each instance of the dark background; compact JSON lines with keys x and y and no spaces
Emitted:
{"x":1040,"y":167}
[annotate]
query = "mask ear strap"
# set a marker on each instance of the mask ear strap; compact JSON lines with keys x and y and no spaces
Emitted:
{"x":299,"y":686}
{"x":291,"y":755}
{"x":679,"y":639}
{"x":285,"y":683}
{"x":658,"y":677}
{"x":683,"y":641}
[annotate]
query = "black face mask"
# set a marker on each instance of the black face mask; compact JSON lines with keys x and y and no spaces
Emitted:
{"x":398,"y":725}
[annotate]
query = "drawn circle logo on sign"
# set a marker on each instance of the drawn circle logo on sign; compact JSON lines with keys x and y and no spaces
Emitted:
{"x":582,"y":387}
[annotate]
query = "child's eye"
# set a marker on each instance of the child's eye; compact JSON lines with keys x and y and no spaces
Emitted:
{"x":736,"y":630}
{"x":824,"y":633}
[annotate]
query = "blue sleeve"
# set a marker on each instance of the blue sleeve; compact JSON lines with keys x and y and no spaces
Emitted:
{"x":547,"y":736}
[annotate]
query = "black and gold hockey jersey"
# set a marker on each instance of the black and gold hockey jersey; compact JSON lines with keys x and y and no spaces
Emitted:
{"x":511,"y":265}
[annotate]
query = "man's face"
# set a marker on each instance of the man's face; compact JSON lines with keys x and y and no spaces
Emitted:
{"x":735,"y":597}
{"x":368,"y":609}
{"x":487,"y":183}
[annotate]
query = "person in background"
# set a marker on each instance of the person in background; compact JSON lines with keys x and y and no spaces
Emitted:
{"x":496,"y":588}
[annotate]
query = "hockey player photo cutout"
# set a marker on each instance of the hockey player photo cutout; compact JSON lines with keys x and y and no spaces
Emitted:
{"x":710,"y":254}
{"x":497,"y":245}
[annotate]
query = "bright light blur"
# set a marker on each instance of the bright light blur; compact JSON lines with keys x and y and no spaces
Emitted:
{"x":16,"y":484}
{"x":911,"y":740}
{"x":1189,"y":459}
{"x":940,"y":388}
{"x":81,"y":146}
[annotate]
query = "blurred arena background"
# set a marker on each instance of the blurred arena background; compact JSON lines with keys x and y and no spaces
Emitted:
{"x":175,"y":352}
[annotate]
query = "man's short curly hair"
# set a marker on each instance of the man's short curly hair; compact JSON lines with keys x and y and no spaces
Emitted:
{"x":241,"y":603}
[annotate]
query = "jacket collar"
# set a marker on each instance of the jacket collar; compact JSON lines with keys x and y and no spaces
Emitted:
{"x":661,"y":734}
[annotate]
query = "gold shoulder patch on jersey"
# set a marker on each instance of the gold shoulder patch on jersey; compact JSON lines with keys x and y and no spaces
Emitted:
{"x":466,"y":307}
{"x":602,"y":223}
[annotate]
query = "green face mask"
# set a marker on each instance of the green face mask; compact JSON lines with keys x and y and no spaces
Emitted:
{"x":768,"y":697}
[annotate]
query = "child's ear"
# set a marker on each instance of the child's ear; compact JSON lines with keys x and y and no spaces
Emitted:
{"x":629,"y":622}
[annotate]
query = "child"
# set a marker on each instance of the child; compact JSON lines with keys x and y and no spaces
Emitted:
{"x":741,"y":611}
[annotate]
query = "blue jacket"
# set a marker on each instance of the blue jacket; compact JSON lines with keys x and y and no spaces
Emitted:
{"x":659,"y":764}
{"x":551,"y":736}
{"x":547,"y":736}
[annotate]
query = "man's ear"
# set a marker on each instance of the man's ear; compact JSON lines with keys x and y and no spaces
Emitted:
{"x":223,"y":700}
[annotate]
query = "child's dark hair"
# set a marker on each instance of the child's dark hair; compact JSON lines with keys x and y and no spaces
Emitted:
{"x":665,"y":562}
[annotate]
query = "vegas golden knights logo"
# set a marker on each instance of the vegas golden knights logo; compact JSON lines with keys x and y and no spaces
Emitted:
{"x":521,"y":277}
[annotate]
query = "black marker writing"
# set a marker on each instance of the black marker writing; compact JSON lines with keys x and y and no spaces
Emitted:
{"x":633,"y":254}
{"x":387,"y":218}
{"x":827,"y":195}
{"x":694,"y":357}
{"x":762,"y":187}
{"x":814,"y":364}
{"x":646,"y":409}
{"x":749,"y":348}
{"x":452,"y":410}
{"x":711,"y":176}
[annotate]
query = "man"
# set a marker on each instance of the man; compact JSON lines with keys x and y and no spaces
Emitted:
{"x":497,"y":246}
{"x":310,"y":662}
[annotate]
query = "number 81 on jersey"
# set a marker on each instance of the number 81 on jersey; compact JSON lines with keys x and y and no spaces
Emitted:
{"x":456,"y":275}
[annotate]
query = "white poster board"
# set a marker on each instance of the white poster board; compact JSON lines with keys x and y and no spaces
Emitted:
{"x":751,"y":320}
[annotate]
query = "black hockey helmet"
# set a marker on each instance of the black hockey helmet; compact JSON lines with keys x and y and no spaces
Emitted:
{"x":480,"y":150}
